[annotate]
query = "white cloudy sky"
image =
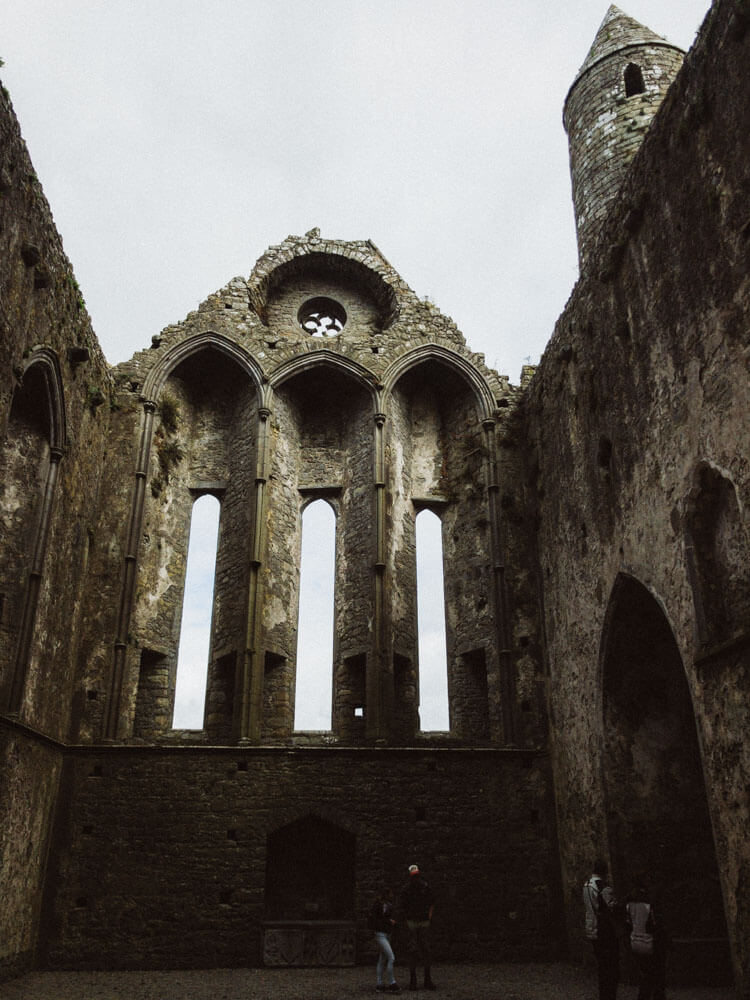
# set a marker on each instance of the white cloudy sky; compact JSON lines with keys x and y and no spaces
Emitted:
{"x":177,"y":140}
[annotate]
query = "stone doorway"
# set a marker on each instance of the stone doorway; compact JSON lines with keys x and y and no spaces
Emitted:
{"x":658,"y":821}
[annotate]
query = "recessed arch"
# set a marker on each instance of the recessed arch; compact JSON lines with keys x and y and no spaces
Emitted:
{"x":295,"y":259}
{"x":310,"y":870}
{"x":658,"y":821}
{"x":32,"y":448}
{"x":317,"y":360}
{"x":428,"y":394}
{"x":44,"y":362}
{"x":451,"y":360}
{"x":172,"y":358}
{"x":199,"y":436}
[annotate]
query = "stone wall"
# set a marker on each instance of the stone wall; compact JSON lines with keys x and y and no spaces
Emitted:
{"x":54,"y":408}
{"x":162,"y":854}
{"x":638,"y":443}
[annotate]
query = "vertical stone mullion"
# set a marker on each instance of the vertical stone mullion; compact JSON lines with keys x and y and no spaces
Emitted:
{"x":500,"y":593}
{"x":127,"y":591}
{"x":31,"y":599}
{"x":376,"y":722}
{"x":249,"y":687}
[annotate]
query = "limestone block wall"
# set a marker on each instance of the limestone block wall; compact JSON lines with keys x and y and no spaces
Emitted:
{"x":183,"y":880}
{"x":638,"y":435}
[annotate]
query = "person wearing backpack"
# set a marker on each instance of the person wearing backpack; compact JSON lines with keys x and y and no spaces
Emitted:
{"x":648,"y":943}
{"x":600,"y":906}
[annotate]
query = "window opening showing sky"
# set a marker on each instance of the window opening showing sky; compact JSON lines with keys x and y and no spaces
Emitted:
{"x":195,"y":631}
{"x":314,"y":683}
{"x":433,"y":663}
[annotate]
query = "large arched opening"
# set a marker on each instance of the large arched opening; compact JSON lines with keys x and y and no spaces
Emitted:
{"x":321,"y":461}
{"x":29,"y":459}
{"x":434,"y":468}
{"x":658,"y":820}
{"x":203,"y":451}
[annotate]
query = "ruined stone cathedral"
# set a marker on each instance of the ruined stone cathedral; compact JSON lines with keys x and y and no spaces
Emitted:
{"x":596,"y":575}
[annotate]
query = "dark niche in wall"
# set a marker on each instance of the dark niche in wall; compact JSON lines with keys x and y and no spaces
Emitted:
{"x":310,"y":871}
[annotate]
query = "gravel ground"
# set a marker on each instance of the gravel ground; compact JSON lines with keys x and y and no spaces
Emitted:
{"x":459,"y":982}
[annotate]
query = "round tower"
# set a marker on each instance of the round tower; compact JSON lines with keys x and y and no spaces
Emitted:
{"x":610,"y":105}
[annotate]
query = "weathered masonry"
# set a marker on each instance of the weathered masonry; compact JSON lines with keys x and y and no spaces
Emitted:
{"x":596,"y":584}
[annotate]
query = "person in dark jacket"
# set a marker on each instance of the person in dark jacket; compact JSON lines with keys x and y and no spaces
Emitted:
{"x":382,"y":920}
{"x":417,"y":903}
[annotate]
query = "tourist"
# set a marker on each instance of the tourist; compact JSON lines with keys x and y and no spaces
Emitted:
{"x":648,"y":943}
{"x":600,"y":908}
{"x":381,"y":921}
{"x":417,"y":902}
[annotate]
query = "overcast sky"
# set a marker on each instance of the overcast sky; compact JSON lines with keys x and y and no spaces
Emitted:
{"x":176,"y":141}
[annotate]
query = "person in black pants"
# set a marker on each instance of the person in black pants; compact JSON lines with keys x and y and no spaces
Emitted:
{"x":417,"y":903}
{"x":600,"y":907}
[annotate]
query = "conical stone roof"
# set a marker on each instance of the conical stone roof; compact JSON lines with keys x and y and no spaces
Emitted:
{"x":619,"y":31}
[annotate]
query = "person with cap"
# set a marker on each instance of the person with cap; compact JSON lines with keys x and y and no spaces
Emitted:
{"x":417,"y":903}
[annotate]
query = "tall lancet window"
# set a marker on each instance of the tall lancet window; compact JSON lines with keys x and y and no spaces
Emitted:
{"x":197,"y":606}
{"x":433,"y":669}
{"x":314,"y":681}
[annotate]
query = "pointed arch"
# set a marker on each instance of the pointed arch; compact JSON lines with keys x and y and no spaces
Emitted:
{"x":450,"y":359}
{"x":165,"y":468}
{"x":428,"y":393}
{"x":659,"y":825}
{"x":44,"y":361}
{"x":322,"y":358}
{"x":37,"y":416}
{"x":174,"y":356}
{"x":368,"y":270}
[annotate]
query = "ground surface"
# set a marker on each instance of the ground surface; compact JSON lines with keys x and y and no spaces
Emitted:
{"x":459,"y":982}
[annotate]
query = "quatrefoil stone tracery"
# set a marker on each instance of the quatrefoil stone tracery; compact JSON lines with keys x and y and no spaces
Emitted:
{"x":322,"y":317}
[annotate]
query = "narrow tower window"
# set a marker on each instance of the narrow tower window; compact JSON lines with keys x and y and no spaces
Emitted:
{"x":433,"y":670}
{"x":634,"y":80}
{"x":314,"y":683}
{"x":197,"y":605}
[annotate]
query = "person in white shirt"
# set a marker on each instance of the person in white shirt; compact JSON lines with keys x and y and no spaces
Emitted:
{"x":648,"y":945}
